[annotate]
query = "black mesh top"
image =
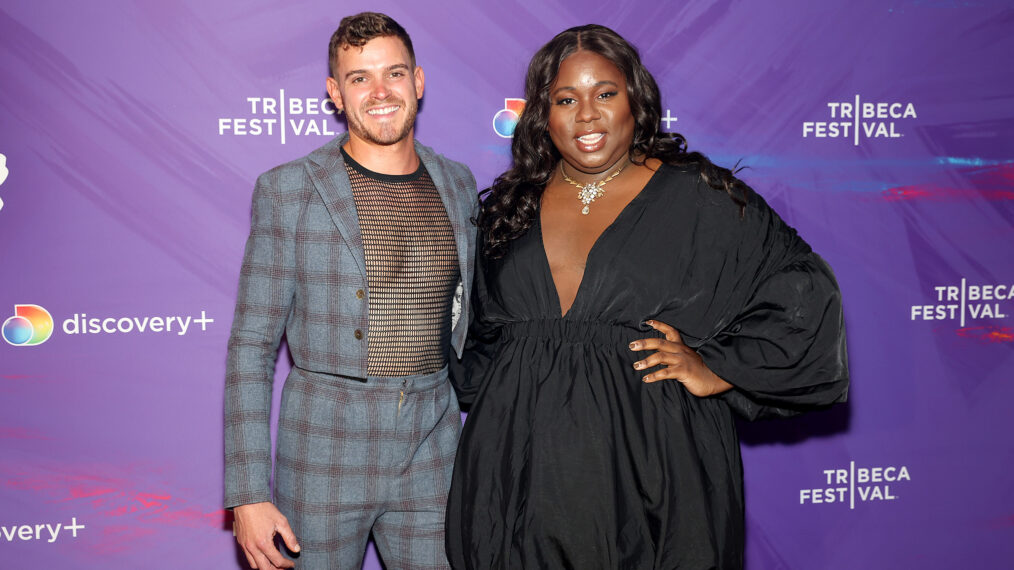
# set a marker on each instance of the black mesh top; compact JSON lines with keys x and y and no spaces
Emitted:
{"x":411,"y":268}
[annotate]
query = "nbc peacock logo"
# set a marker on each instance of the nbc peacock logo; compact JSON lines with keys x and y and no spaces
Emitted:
{"x":30,"y":325}
{"x":506,"y":119}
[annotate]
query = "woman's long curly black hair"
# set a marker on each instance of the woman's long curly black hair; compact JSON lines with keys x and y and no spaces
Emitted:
{"x":511,"y":205}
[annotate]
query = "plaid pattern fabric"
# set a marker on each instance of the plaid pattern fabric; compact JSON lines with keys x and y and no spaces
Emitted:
{"x":356,"y":456}
{"x":304,"y":275}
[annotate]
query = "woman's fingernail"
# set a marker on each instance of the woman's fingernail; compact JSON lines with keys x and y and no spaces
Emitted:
{"x":633,"y":346}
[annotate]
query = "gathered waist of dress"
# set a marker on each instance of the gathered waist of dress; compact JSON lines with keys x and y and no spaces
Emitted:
{"x":582,"y":332}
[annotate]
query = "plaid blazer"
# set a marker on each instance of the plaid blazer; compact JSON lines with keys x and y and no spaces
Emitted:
{"x":304,"y":274}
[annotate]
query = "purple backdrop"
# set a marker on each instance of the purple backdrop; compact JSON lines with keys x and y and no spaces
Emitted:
{"x":131,"y":134}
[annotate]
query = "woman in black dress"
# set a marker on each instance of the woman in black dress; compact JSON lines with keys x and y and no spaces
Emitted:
{"x":598,"y":435}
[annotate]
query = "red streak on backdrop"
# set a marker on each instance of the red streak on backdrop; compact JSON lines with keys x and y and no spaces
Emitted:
{"x":989,"y":334}
{"x":114,"y":498}
{"x":919,"y":192}
{"x":82,"y":492}
{"x":992,"y":183}
{"x":20,"y":433}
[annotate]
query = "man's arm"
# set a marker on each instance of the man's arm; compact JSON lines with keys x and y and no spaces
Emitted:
{"x":264,"y":300}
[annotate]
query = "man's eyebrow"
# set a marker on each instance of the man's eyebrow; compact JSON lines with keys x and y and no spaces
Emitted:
{"x":366,"y":71}
{"x":569,"y":88}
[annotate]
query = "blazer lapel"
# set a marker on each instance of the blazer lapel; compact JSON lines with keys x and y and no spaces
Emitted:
{"x":327,"y":171}
{"x":331,"y":179}
{"x":457,"y":212}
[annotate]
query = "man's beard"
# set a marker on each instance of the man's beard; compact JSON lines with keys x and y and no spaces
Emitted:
{"x":386,"y":134}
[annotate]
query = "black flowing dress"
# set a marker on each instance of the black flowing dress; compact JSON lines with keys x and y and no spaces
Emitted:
{"x":567,"y":459}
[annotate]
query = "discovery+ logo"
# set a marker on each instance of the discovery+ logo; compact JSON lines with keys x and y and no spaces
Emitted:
{"x":505,"y":120}
{"x":39,"y":532}
{"x":30,"y":325}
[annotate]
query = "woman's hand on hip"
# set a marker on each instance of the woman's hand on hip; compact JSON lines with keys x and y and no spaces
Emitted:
{"x":679,"y":361}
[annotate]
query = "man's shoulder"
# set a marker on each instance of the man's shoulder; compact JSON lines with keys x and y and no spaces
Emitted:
{"x":293,"y":174}
{"x":428,"y":155}
{"x":283,"y":171}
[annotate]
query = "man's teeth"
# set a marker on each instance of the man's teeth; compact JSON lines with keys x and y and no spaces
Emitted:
{"x":382,"y":110}
{"x":591,"y":139}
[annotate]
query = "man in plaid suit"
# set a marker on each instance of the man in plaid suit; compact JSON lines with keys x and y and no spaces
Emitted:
{"x":332,"y":261}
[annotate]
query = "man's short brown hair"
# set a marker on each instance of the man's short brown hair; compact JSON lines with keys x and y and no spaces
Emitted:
{"x":355,"y":31}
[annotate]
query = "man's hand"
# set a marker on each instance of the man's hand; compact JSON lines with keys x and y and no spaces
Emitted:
{"x":255,"y":528}
{"x":682,"y":363}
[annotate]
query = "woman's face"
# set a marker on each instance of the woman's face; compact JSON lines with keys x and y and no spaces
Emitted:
{"x":589,"y":115}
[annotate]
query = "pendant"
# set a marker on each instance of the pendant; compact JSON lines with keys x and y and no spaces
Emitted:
{"x":588,"y":194}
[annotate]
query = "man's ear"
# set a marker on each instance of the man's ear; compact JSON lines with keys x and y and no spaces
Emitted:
{"x":336,"y":95}
{"x":420,"y":82}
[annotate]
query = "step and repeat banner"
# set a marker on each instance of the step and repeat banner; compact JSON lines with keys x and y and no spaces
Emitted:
{"x":131,"y":134}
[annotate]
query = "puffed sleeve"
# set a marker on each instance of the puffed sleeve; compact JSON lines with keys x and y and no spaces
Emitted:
{"x":784,"y":349}
{"x":466,"y":373}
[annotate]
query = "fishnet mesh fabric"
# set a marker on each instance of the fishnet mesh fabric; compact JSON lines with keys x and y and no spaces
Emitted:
{"x":411,"y":268}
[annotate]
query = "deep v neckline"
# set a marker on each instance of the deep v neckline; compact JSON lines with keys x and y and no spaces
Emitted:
{"x":588,"y":258}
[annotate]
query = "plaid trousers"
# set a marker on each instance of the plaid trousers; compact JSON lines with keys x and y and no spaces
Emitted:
{"x":355,"y":457}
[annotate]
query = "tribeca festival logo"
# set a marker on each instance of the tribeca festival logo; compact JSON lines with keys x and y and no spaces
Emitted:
{"x":865,"y":484}
{"x":30,"y":325}
{"x":860,"y":120}
{"x":42,"y":531}
{"x":3,"y":175}
{"x":281,"y":116}
{"x":966,"y":301}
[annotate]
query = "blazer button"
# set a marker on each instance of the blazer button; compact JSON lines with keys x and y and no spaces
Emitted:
{"x":360,"y":294}
{"x":358,"y":334}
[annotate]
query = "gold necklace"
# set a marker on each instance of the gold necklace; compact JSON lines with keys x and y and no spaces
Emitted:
{"x":588,"y":193}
